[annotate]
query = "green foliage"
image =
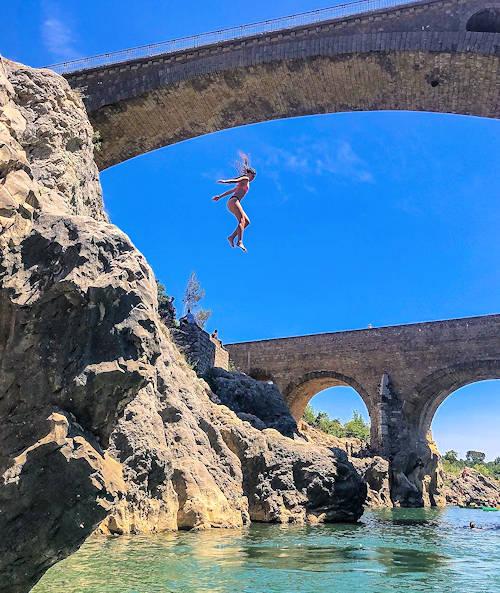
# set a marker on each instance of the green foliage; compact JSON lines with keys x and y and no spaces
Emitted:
{"x":451,"y":468}
{"x":309,"y":415}
{"x":166,"y":307}
{"x":451,"y":456}
{"x":474,"y":459}
{"x":356,"y":427}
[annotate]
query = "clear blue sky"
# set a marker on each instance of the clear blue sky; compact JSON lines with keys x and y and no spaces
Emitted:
{"x":378,"y":218}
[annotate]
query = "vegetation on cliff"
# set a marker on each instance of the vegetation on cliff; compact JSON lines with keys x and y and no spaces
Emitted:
{"x":193,"y":294}
{"x":356,"y":427}
{"x":474,"y":460}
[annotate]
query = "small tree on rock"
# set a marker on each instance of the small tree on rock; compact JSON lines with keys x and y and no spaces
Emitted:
{"x":193,"y":294}
{"x":451,"y":456}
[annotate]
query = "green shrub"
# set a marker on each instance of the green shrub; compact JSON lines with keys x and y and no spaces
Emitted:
{"x":356,"y":427}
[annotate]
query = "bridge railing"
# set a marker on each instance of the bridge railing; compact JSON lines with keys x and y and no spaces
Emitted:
{"x":230,"y":34}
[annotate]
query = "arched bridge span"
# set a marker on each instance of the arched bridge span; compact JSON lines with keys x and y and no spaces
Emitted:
{"x":428,"y":55}
{"x":403,"y":373}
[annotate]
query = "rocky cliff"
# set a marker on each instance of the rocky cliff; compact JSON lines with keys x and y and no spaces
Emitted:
{"x":102,"y":419}
{"x":471,"y":489}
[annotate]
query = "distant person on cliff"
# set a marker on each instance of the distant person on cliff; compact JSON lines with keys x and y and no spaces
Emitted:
{"x":190,"y":318}
{"x":237,"y":193}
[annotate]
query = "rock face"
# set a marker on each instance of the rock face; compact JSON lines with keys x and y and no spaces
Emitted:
{"x":75,"y":341}
{"x":190,"y":462}
{"x":258,"y":402}
{"x":472,"y":489}
{"x":373,"y":470}
{"x":102,"y":418}
{"x":417,"y":476}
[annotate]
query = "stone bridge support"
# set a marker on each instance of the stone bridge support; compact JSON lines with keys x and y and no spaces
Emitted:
{"x":402,"y":373}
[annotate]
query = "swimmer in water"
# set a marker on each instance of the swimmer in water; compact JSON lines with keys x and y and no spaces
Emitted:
{"x":237,"y":193}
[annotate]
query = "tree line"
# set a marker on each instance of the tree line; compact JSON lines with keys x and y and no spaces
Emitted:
{"x":473,"y":459}
{"x":356,"y":427}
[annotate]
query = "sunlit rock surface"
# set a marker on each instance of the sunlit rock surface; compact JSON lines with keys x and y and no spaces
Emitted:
{"x":472,"y":489}
{"x":103,"y":421}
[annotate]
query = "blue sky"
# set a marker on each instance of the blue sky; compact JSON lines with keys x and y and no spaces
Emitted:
{"x":378,"y":218}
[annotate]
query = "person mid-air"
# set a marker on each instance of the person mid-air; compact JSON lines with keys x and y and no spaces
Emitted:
{"x":247,"y":175}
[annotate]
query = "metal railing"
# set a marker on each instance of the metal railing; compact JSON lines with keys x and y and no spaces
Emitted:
{"x":230,"y":34}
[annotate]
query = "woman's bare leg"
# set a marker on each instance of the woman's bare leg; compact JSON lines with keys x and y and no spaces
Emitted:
{"x":243,"y":221}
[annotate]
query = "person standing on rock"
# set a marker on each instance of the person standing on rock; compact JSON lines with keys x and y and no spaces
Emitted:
{"x":247,"y":175}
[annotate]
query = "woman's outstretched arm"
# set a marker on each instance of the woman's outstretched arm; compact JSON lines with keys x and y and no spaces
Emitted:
{"x":235,"y":180}
{"x":226,"y":193}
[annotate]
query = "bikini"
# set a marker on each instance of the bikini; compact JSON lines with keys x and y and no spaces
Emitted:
{"x":240,"y":191}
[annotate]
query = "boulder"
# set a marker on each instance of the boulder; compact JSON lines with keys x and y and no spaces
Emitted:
{"x":472,"y":489}
{"x":258,"y":402}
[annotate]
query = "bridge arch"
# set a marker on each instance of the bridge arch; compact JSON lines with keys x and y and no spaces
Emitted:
{"x":299,"y":393}
{"x":485,"y":21}
{"x":441,"y":384}
{"x":324,"y":79}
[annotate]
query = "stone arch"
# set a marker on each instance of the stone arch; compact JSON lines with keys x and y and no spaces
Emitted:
{"x":485,"y":21}
{"x":299,"y":393}
{"x":177,"y":101}
{"x":440,"y":384}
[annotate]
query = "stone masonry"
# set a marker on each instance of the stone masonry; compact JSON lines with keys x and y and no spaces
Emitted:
{"x":402,"y":373}
{"x":418,"y":56}
{"x":201,"y":350}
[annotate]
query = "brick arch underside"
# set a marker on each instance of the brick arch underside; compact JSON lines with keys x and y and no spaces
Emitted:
{"x":441,"y":384}
{"x":463,"y":83}
{"x":299,"y":393}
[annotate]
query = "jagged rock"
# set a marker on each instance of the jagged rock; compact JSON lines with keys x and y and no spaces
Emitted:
{"x":373,"y":470}
{"x":417,"y":476}
{"x":52,"y":495}
{"x":90,"y":376}
{"x":75,"y":344}
{"x":257,"y":402}
{"x":58,"y":141}
{"x":472,"y":489}
{"x":289,"y":481}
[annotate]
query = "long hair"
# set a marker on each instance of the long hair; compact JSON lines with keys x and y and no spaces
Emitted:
{"x":243,"y":165}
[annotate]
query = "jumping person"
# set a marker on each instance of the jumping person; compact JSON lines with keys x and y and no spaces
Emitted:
{"x":247,"y":175}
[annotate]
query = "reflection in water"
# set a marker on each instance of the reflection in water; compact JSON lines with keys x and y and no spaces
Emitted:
{"x":410,"y":550}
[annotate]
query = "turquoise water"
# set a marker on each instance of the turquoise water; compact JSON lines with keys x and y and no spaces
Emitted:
{"x":393,"y":551}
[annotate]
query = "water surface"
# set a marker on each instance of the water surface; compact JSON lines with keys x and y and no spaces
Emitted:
{"x":393,"y":550}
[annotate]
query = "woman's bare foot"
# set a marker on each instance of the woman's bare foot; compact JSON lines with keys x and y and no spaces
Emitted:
{"x":241,"y":246}
{"x":231,"y":240}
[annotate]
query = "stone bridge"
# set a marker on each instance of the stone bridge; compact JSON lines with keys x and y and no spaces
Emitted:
{"x":428,"y":55}
{"x":402,"y":373}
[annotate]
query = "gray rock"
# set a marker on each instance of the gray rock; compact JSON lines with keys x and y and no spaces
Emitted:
{"x":472,"y":489}
{"x":257,"y":402}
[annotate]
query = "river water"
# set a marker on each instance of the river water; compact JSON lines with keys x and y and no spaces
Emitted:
{"x":392,"y":550}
